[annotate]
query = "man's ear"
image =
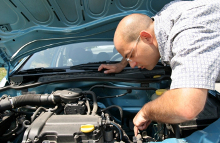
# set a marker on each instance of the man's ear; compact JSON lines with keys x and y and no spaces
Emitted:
{"x":146,"y":37}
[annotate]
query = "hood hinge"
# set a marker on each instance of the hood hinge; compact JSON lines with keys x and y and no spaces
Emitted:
{"x":5,"y":58}
{"x":5,"y":28}
{"x":8,"y":71}
{"x":4,"y":54}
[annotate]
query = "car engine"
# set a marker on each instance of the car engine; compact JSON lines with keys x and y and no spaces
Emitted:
{"x":74,"y":115}
{"x":71,"y":120}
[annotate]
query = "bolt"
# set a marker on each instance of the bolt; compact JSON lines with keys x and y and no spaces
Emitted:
{"x":36,"y":139}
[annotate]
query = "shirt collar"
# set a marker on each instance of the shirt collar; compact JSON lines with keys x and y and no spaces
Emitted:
{"x":162,"y":35}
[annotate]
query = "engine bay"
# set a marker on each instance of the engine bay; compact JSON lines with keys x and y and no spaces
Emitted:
{"x":103,"y":113}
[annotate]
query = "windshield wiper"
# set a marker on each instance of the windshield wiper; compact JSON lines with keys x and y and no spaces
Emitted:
{"x":40,"y":70}
{"x":91,"y":65}
{"x":95,"y":65}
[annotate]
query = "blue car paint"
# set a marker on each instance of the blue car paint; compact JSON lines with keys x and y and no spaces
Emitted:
{"x":29,"y":31}
{"x":210,"y":134}
{"x":59,"y":36}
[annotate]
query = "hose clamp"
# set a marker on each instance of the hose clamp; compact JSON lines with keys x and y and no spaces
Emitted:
{"x":52,"y":97}
{"x":12,"y":105}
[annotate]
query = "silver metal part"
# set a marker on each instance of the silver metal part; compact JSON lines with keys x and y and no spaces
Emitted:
{"x":12,"y":105}
{"x":108,"y":136}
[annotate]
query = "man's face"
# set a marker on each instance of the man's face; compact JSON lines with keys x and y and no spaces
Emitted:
{"x":139,"y":53}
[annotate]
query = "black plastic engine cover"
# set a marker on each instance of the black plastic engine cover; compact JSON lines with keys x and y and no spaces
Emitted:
{"x":75,"y":108}
{"x":209,"y":114}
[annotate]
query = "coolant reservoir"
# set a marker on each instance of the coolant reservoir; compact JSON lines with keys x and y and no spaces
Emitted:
{"x":157,"y":93}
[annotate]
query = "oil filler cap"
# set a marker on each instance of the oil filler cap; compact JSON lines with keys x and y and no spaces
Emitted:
{"x":160,"y":91}
{"x":87,"y":128}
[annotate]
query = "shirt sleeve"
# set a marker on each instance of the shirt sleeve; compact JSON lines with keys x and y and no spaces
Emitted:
{"x":195,"y":62}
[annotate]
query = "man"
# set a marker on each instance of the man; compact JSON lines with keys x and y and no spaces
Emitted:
{"x":184,"y":35}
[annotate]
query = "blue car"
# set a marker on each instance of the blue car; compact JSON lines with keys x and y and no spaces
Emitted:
{"x":53,"y":91}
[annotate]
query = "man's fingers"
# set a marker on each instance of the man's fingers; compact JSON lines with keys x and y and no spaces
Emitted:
{"x":100,"y":67}
{"x":104,"y":66}
{"x":135,"y":130}
{"x":148,"y":123}
{"x":109,"y":68}
{"x":142,"y":127}
{"x":109,"y":71}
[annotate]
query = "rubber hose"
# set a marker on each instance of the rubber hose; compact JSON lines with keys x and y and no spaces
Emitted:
{"x":88,"y":106}
{"x":176,"y":130}
{"x":5,"y":104}
{"x":120,"y":110}
{"x":27,"y":99}
{"x":95,"y":105}
{"x":121,"y":132}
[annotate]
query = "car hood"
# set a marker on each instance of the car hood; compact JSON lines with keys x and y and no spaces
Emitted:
{"x":28,"y":26}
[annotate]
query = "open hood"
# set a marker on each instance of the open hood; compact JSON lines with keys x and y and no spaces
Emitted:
{"x":28,"y":26}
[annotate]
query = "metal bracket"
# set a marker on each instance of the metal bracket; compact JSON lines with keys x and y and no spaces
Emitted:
{"x":4,"y":54}
{"x":8,"y":71}
{"x":5,"y":27}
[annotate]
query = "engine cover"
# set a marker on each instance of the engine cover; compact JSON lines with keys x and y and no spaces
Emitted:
{"x":63,"y":128}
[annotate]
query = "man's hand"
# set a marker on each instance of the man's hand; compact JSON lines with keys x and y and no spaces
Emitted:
{"x":140,"y":122}
{"x":113,"y":68}
{"x":174,"y":106}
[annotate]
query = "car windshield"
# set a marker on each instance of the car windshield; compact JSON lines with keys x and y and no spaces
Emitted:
{"x":73,"y":54}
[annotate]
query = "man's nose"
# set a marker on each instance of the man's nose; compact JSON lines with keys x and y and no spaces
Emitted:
{"x":132,"y":64}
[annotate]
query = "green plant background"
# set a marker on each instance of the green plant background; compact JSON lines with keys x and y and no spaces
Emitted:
{"x":3,"y":73}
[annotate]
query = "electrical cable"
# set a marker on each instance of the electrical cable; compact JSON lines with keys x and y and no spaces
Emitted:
{"x":122,"y":132}
{"x":118,"y":130}
{"x":120,"y":95}
{"x":119,"y":108}
{"x":36,"y":112}
{"x":124,"y":88}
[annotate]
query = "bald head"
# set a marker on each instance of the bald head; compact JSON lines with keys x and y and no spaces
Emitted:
{"x":130,"y":26}
{"x":143,"y":53}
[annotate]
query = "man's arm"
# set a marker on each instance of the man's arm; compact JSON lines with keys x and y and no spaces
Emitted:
{"x":174,"y":106}
{"x":113,"y":68}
